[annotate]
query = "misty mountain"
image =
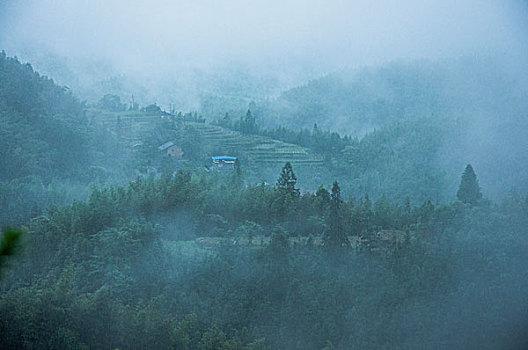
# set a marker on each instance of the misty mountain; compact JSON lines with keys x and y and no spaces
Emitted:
{"x":263,"y":175}
{"x":353,"y":102}
{"x":481,"y":102}
{"x":212,"y":91}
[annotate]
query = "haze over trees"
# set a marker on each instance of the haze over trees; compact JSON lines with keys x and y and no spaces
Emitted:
{"x":192,"y":175}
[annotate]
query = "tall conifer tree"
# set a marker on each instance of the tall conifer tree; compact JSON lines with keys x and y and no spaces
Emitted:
{"x":335,"y":236}
{"x":469,"y":190}
{"x":287,"y":180}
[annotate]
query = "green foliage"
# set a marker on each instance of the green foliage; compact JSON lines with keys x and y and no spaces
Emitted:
{"x":248,"y":124}
{"x":322,"y":200}
{"x":26,"y":92}
{"x":50,"y":153}
{"x":469,"y":190}
{"x":393,"y":160}
{"x":112,"y":103}
{"x":195,"y":260}
{"x":152,"y":108}
{"x":287,"y":180}
{"x":409,"y":121}
{"x":335,"y":237}
{"x":9,"y":242}
{"x":110,"y":273}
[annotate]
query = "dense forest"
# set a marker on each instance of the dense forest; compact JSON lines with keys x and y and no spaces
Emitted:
{"x":368,"y":241}
{"x":50,"y":153}
{"x":187,"y":262}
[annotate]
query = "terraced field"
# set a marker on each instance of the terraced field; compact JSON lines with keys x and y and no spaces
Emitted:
{"x":255,"y":149}
{"x":133,"y":126}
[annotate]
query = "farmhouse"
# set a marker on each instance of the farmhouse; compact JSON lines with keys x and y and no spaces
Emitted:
{"x":172,"y":150}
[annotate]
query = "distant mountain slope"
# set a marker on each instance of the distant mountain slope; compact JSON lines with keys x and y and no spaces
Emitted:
{"x":354,"y":102}
{"x":482,"y":102}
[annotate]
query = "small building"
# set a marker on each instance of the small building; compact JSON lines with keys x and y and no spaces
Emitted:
{"x":172,"y":150}
{"x":224,"y":162}
{"x":175,"y":152}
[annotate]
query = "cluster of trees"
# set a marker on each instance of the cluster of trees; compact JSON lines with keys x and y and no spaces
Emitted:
{"x":246,"y":124}
{"x":50,"y":153}
{"x":462,"y":101}
{"x":394,"y":160}
{"x":111,"y":103}
{"x":324,"y":142}
{"x":218,"y":206}
{"x":42,"y":124}
{"x":121,"y":270}
{"x":124,"y":268}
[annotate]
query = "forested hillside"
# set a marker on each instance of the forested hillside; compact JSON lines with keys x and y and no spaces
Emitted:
{"x":463,"y":110}
{"x":414,"y":152}
{"x":314,"y":240}
{"x":125,"y":270}
{"x":43,"y":122}
{"x":49,"y":152}
{"x":264,"y":175}
{"x":355,"y":101}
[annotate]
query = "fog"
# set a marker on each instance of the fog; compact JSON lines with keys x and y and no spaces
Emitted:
{"x":164,"y":44}
{"x":372,"y":194}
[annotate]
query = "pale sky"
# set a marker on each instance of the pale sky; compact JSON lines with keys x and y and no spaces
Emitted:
{"x":150,"y":36}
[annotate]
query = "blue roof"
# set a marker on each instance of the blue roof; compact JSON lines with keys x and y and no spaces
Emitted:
{"x":224,"y":158}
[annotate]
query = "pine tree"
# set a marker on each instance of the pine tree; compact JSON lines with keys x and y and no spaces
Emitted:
{"x":287,"y":196}
{"x":469,"y":190}
{"x":322,"y":200}
{"x":248,"y":124}
{"x":335,"y":236}
{"x":287,"y":180}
